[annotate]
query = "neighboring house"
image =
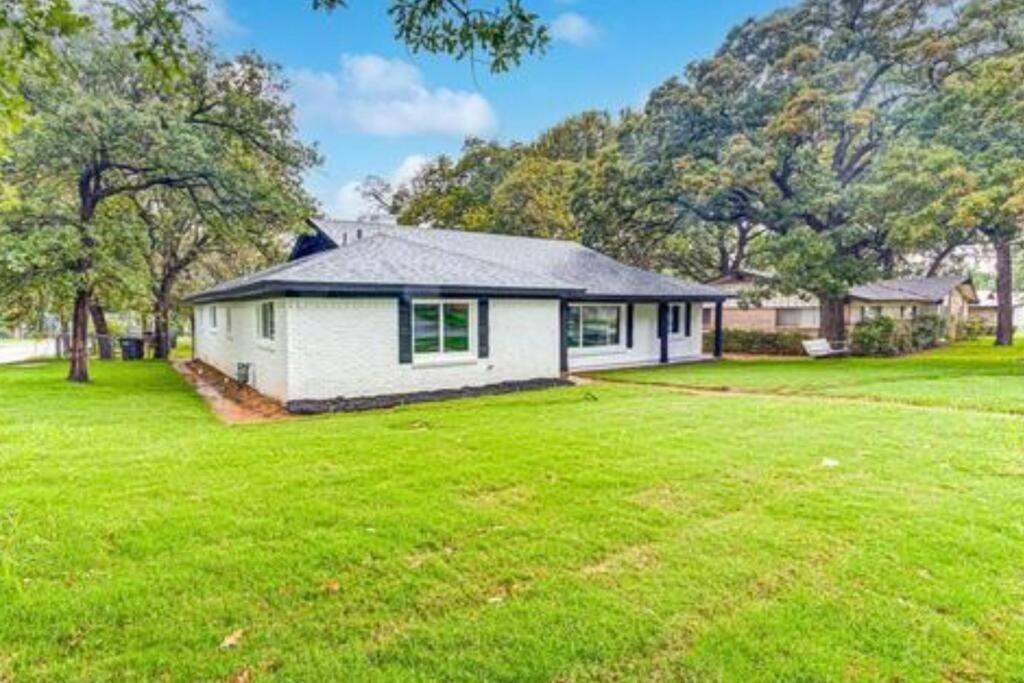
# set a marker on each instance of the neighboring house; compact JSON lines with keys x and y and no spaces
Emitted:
{"x":948,"y":296}
{"x":987,"y":307}
{"x":773,"y":314}
{"x":367,"y":310}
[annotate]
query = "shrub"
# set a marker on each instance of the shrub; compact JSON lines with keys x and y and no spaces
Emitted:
{"x":759,"y":343}
{"x":887,"y":337}
{"x":974,"y":328}
{"x":876,"y":337}
{"x":927,"y":331}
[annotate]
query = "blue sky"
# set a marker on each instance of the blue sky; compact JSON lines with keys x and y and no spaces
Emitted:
{"x":375,"y":108}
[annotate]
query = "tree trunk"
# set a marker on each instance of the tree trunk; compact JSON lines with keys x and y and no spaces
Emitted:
{"x":79,"y":352}
{"x":161,"y":328}
{"x":832,"y":323}
{"x":99,"y":324}
{"x":1004,"y":293}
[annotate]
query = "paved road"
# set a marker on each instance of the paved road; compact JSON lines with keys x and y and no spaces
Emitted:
{"x":16,"y":351}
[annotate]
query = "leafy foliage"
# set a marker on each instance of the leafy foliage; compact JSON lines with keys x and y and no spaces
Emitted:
{"x":503,"y":31}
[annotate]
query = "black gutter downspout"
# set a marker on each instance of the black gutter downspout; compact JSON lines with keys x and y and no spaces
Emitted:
{"x":663,"y":330}
{"x":563,"y":336}
{"x":719,"y":341}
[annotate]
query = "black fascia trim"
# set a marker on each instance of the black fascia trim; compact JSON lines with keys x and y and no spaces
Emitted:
{"x":265,"y":289}
{"x":646,"y":299}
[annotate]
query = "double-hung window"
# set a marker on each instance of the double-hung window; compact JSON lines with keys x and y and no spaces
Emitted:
{"x":594,"y":326}
{"x":441,"y":327}
{"x":213,"y":318}
{"x":265,"y":321}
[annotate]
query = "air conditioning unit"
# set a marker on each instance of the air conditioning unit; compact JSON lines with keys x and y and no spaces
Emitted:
{"x":246,"y":373}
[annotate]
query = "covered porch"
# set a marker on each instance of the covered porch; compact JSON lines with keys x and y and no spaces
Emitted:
{"x":632,"y":331}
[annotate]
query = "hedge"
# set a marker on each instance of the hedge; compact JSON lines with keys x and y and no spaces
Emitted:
{"x":759,"y":343}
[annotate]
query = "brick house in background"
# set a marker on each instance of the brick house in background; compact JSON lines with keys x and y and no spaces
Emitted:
{"x":949,"y":296}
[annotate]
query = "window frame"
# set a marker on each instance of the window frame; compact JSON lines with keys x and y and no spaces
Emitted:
{"x":212,"y":318}
{"x":580,"y":348}
{"x":441,"y":355}
{"x":228,"y":326}
{"x":261,"y":318}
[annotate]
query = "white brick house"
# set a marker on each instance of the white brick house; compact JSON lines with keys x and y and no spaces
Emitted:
{"x":369,"y":311}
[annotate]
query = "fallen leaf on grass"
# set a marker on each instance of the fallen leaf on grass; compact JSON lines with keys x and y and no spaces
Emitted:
{"x":232,"y":639}
{"x":243,"y":676}
{"x":330,"y":587}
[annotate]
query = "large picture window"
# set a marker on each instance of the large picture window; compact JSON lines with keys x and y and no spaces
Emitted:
{"x":594,"y":326}
{"x":441,"y":327}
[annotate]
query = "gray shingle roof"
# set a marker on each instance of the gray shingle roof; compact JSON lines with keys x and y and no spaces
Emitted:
{"x":924,"y":289}
{"x":383,"y":258}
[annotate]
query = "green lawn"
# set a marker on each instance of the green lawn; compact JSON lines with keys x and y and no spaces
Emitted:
{"x":602,"y":532}
{"x":972,"y":375}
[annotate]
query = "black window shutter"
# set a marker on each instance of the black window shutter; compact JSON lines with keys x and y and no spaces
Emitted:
{"x":675,"y":319}
{"x":629,"y":326}
{"x":404,"y":330}
{"x":689,"y":315}
{"x":483,"y":324}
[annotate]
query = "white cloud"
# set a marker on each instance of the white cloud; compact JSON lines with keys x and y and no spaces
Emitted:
{"x":213,"y":15}
{"x":217,"y":20}
{"x":574,"y":28}
{"x":348,"y":202}
{"x":388,"y":97}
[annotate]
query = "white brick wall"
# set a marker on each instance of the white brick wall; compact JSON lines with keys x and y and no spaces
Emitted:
{"x":349,"y":348}
{"x":646,"y":345}
{"x":224,"y":349}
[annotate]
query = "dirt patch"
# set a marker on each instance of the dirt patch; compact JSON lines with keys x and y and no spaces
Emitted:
{"x":230,"y":401}
{"x":636,"y":558}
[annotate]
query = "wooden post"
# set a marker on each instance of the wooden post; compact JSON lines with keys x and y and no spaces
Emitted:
{"x":719,"y":341}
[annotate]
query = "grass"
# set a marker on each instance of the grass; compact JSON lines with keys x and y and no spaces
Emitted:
{"x":602,"y":532}
{"x":973,"y":375}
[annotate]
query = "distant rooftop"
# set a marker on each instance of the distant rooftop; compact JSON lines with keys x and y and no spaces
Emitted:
{"x":923,"y":289}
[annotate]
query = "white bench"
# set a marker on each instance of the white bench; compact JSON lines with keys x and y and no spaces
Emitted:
{"x":822,"y":348}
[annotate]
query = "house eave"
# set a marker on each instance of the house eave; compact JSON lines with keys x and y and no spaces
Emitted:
{"x":271,"y":289}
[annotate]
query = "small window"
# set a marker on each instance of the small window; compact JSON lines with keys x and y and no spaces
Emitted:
{"x":705,"y":316}
{"x":227,"y":319}
{"x":441,"y":327}
{"x":591,"y":326}
{"x":675,"y":319}
{"x":788,"y":317}
{"x":213,"y":317}
{"x":267,"y":323}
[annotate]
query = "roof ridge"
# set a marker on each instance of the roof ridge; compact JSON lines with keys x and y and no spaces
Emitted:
{"x":459,"y":231}
{"x":473,"y":257}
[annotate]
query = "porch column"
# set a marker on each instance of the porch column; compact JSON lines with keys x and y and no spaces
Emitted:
{"x":563,"y":335}
{"x":663,"y":330}
{"x":719,"y":341}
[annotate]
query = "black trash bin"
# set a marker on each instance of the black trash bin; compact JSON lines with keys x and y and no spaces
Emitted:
{"x":131,"y":348}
